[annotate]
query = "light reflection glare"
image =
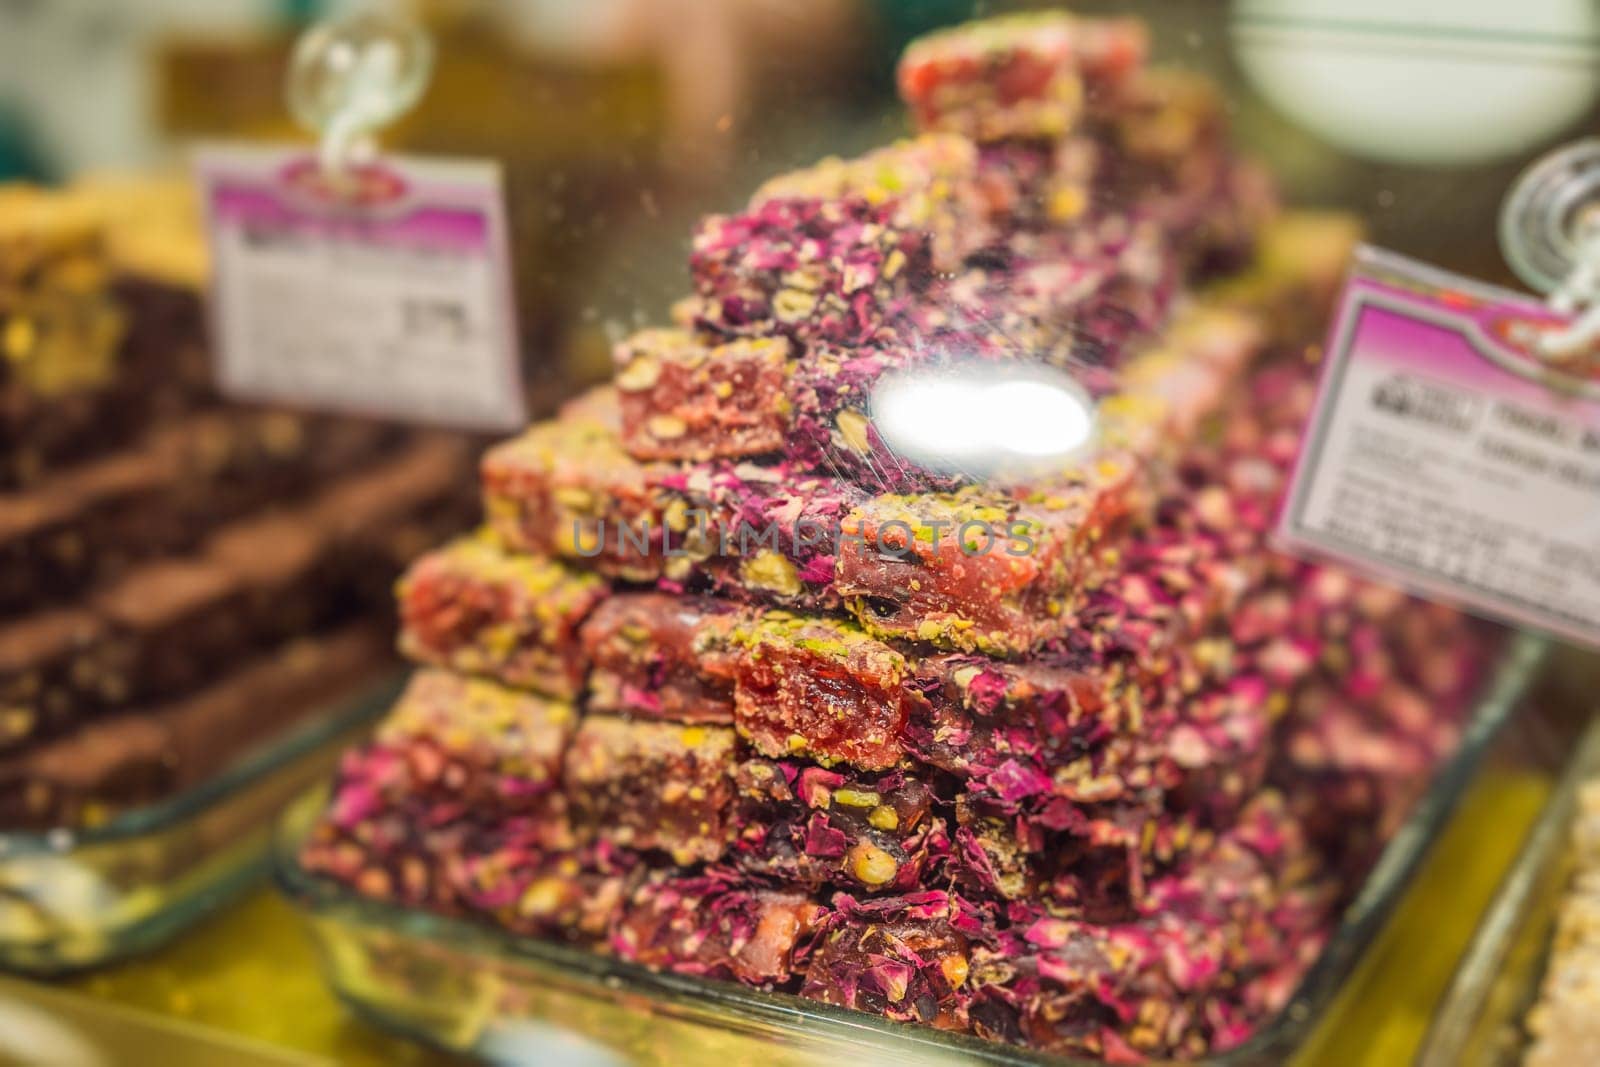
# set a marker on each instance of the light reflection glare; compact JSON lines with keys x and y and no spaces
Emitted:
{"x":1037,"y":418}
{"x":982,"y":418}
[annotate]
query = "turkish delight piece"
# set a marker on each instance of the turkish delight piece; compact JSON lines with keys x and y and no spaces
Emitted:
{"x":1039,"y":186}
{"x":1017,"y":77}
{"x":494,"y":734}
{"x":820,"y":688}
{"x":659,"y":656}
{"x":906,"y":957}
{"x":459,"y":755}
{"x":977,"y":569}
{"x":809,"y":826}
{"x":930,"y":183}
{"x":652,"y":786}
{"x":475,"y":608}
{"x":983,"y":712}
{"x":567,"y":488}
{"x":406,"y":823}
{"x":460,"y":768}
{"x":715,"y":925}
{"x":1105,"y":282}
{"x":805,"y":268}
{"x":92,"y":523}
{"x":683,"y":399}
{"x":1133,"y":767}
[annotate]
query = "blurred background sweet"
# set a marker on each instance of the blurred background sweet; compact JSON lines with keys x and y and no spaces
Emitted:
{"x":621,"y":121}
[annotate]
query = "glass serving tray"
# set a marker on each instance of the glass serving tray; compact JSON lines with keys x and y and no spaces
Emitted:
{"x":467,"y":987}
{"x":73,"y":899}
{"x":1480,"y":1020}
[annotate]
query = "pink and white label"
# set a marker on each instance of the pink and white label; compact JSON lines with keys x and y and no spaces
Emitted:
{"x":386,"y":293}
{"x":1446,"y":456}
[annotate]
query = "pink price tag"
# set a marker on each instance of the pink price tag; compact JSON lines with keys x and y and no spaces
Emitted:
{"x":1446,"y":456}
{"x":387,"y":292}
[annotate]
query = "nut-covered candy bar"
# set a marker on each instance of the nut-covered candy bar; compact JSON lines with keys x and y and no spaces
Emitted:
{"x":652,"y":786}
{"x":1017,"y":77}
{"x":658,"y":656}
{"x":682,"y":399}
{"x":805,"y":268}
{"x":906,"y":957}
{"x":170,"y":624}
{"x":716,"y":925}
{"x":475,"y":608}
{"x":808,"y":826}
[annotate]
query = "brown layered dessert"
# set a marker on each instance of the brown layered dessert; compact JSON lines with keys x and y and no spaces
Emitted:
{"x":182,"y":579}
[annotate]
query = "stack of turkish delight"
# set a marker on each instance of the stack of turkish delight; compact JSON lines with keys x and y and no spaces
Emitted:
{"x":726,"y":686}
{"x":181,"y":579}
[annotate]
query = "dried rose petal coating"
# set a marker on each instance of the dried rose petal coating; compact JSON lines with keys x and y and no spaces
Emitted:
{"x":1020,"y":76}
{"x":810,"y":827}
{"x":455,"y":758}
{"x":1165,"y":146}
{"x":904,"y":957}
{"x":652,"y":785}
{"x":805,"y":268}
{"x":1167,"y":982}
{"x":575,"y":895}
{"x":474,"y":608}
{"x":820,"y":688}
{"x":653,"y":655}
{"x":929,"y":182}
{"x":716,"y":926}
